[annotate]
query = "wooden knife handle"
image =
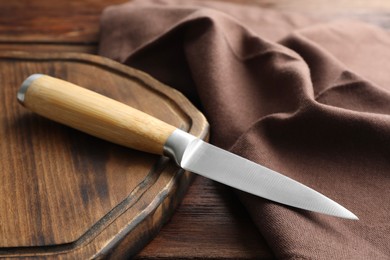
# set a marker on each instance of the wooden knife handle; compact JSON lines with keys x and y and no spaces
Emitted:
{"x":93,"y":113}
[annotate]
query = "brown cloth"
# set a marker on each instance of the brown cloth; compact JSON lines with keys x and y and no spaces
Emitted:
{"x":306,"y":99}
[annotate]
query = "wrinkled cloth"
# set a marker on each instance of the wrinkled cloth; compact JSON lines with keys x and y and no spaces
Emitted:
{"x":308,"y":99}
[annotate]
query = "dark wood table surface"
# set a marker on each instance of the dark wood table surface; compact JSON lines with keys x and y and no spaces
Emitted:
{"x":211,"y":222}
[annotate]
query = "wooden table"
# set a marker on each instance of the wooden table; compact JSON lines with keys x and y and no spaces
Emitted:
{"x":211,"y":222}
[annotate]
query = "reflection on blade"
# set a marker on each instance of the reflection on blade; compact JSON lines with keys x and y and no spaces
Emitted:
{"x":235,"y":171}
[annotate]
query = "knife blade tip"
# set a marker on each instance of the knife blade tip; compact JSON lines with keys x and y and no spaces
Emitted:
{"x":351,"y":216}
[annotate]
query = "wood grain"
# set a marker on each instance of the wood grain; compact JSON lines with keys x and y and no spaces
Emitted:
{"x":69,"y":194}
{"x":69,"y":21}
{"x":210,"y":223}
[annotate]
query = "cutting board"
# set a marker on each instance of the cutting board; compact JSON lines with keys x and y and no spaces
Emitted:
{"x":65,"y":194}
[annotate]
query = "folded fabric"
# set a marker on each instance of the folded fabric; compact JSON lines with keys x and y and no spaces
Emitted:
{"x":308,"y":99}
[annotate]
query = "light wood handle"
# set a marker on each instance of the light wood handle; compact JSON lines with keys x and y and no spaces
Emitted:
{"x":93,"y":113}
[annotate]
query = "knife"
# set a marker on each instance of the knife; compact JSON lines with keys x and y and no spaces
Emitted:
{"x":113,"y":121}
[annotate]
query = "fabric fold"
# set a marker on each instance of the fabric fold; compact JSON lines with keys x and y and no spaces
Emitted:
{"x":308,"y":99}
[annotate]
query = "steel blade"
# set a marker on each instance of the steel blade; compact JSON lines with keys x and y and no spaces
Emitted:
{"x":230,"y":169}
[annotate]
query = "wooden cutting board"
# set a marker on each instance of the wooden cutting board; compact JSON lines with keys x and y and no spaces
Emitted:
{"x":69,"y":195}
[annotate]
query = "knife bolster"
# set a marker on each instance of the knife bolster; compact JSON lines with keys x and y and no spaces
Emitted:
{"x":176,"y":145}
